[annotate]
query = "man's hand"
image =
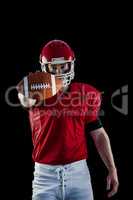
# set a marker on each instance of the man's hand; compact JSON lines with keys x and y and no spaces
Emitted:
{"x":26,"y":102}
{"x":112,"y":182}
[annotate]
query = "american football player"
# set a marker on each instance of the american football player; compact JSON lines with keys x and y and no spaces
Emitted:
{"x":58,"y":132}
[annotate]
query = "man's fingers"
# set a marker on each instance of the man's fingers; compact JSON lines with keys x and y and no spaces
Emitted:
{"x":26,"y":102}
{"x":108,"y":183}
{"x":114,"y":189}
{"x":113,"y":192}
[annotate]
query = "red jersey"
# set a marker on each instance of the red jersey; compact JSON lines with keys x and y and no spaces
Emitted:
{"x":58,"y":126}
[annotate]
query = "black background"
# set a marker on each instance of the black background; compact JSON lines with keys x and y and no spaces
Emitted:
{"x":99,"y":42}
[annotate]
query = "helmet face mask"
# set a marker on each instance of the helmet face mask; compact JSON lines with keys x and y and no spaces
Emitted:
{"x":58,"y":58}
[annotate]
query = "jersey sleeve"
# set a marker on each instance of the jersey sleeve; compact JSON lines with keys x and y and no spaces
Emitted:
{"x":92,"y":119}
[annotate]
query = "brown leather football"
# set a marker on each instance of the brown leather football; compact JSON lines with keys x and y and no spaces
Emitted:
{"x":39,"y":85}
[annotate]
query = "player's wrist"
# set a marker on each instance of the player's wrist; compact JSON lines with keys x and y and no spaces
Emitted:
{"x":112,"y":169}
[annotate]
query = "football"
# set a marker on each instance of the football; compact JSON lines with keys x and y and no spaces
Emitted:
{"x":39,"y":85}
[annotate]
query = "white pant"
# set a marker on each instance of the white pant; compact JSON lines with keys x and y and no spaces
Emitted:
{"x":62,"y":182}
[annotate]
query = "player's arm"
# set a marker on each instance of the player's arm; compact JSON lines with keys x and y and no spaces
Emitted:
{"x":102,"y":143}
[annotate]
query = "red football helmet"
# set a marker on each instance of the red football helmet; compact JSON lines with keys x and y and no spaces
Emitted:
{"x":58,"y":53}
